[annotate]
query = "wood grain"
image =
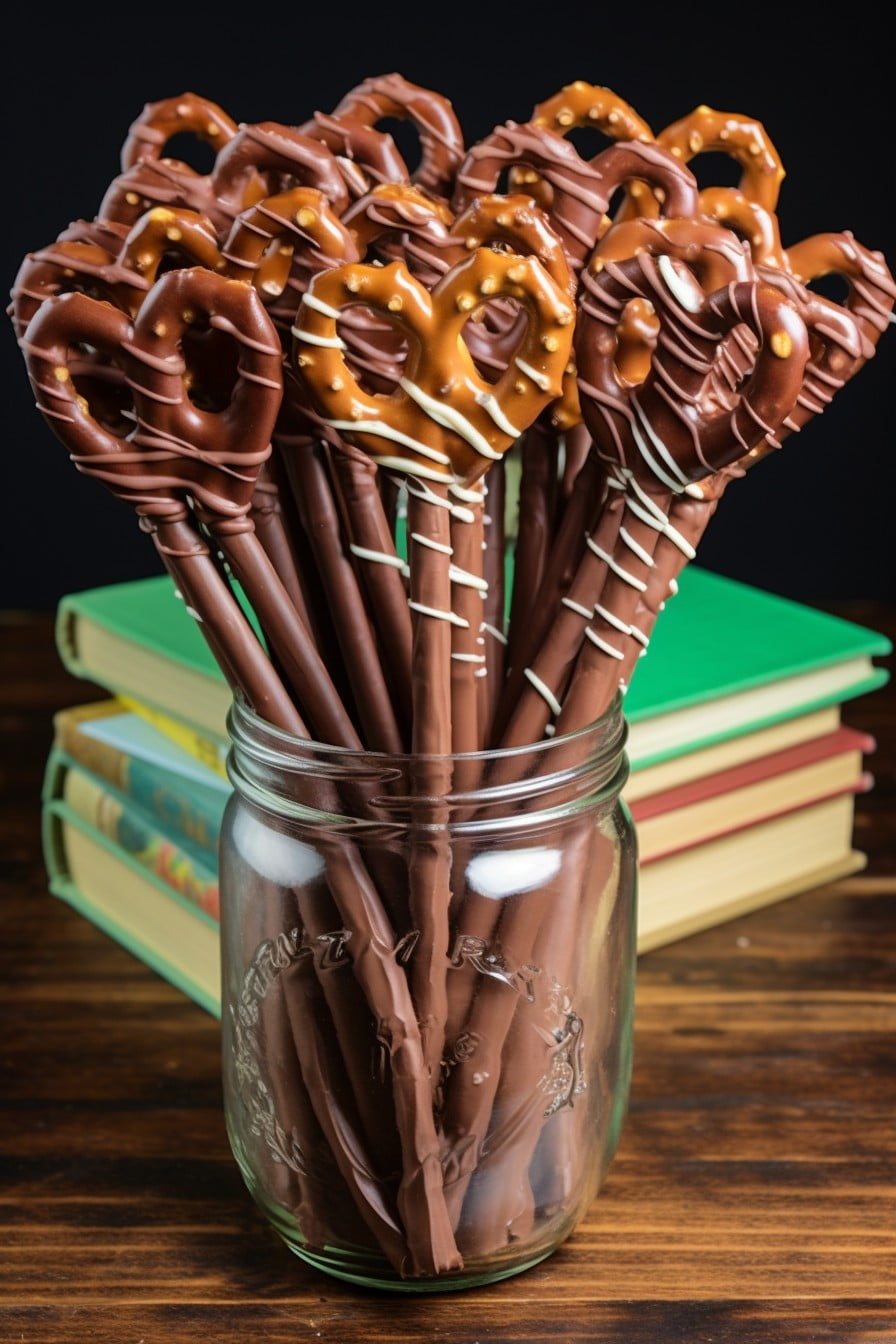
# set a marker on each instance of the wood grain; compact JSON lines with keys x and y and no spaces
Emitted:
{"x":752,"y":1200}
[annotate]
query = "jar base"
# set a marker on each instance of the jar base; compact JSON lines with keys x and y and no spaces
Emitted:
{"x":365,"y":1271}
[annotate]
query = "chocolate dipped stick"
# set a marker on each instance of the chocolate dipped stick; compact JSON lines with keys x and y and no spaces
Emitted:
{"x":440,"y":429}
{"x":842,"y":338}
{"x":155,"y":486}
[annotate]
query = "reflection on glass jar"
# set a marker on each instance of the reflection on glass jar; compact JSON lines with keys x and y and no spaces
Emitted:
{"x":428,"y":981}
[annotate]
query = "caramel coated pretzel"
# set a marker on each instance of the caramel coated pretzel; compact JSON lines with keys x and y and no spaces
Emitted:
{"x":579,"y":105}
{"x":173,"y":237}
{"x":441,"y":138}
{"x":749,"y":220}
{"x":161,"y":121}
{"x":517,"y":222}
{"x":443,"y":422}
{"x":706,"y":130}
{"x":582,"y":104}
{"x":676,"y":426}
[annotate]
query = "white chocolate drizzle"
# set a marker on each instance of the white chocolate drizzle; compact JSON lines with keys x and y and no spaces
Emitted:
{"x":677,"y":286}
{"x":450,"y":418}
{"x":433,"y":545}
{"x":676,"y":480}
{"x":541,"y":380}
{"x":644,"y":556}
{"x":311,"y":301}
{"x":612,"y":619}
{"x":467,"y":579}
{"x":422,"y":491}
{"x":328,"y":342}
{"x":439,"y":615}
{"x":577,"y":607}
{"x":616,"y":568}
{"x":378,"y":557}
{"x":381,"y":429}
{"x":603,"y":645}
{"x":489,"y":403}
{"x":543,"y":690}
{"x":402,"y":464}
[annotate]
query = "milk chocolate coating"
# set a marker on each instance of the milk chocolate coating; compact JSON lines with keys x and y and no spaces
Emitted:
{"x":161,"y":121}
{"x":581,"y":191}
{"x":673,"y":427}
{"x":373,"y":155}
{"x":441,"y":138}
{"x":155,"y":485}
{"x":308,"y":474}
{"x":264,"y":158}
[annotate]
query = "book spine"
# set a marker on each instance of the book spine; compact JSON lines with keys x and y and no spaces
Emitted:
{"x":188,"y":813}
{"x":208,"y":750}
{"x":156,"y":852}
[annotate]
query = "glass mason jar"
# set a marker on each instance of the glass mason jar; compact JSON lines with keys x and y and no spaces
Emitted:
{"x":428,"y":971}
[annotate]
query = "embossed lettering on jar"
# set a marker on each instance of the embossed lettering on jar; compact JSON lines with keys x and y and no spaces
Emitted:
{"x":428,"y":974}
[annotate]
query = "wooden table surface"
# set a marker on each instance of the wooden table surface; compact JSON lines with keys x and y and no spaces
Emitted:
{"x":752,"y":1199}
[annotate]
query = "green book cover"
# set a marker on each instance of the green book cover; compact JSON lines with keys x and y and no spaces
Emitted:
{"x":716,"y":638}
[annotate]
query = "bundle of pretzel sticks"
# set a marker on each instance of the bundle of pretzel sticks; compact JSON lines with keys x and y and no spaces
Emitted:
{"x":342,"y":390}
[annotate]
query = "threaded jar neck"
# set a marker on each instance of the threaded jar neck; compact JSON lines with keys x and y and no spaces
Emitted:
{"x":311,"y":782}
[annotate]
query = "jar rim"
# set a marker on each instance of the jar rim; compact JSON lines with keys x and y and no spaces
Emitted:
{"x":251,"y":732}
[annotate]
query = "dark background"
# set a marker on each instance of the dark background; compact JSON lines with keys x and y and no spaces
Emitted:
{"x":815,"y":522}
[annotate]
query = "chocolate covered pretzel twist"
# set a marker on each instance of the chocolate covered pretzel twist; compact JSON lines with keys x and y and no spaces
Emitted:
{"x":581,"y":191}
{"x":441,"y":138}
{"x":186,"y":114}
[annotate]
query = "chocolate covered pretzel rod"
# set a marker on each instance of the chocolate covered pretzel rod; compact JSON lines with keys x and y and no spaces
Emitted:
{"x":842,"y":338}
{"x":441,"y":429}
{"x":155,"y":487}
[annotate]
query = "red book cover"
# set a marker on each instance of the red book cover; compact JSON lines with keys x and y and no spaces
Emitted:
{"x":767,"y":786}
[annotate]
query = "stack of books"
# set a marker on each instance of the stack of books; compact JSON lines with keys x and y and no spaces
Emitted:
{"x":742,"y":786}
